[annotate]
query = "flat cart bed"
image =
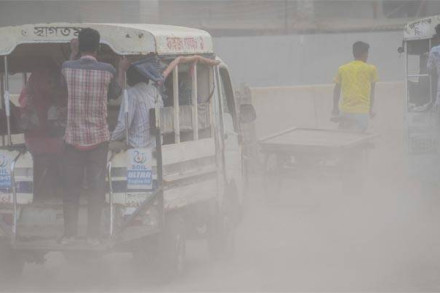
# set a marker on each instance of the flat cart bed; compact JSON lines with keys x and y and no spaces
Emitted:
{"x":309,"y":140}
{"x":308,"y":153}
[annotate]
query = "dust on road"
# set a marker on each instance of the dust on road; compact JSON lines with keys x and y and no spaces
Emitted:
{"x":384,"y":238}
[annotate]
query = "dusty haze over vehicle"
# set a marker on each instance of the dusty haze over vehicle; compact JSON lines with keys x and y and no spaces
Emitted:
{"x":322,"y":210}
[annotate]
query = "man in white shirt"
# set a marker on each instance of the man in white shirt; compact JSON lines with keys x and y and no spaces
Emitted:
{"x":142,"y":96}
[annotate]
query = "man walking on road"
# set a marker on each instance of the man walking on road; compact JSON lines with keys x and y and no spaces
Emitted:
{"x":356,"y":80}
{"x":89,"y":84}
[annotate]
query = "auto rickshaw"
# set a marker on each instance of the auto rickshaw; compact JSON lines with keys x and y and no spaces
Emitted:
{"x":421,"y":113}
{"x":187,"y":186}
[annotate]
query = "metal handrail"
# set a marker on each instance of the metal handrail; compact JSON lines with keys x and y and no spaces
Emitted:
{"x":110,"y":194}
{"x":14,"y":197}
{"x":7,"y":100}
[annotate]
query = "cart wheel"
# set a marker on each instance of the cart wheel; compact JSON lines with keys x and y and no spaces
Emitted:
{"x":273,"y":175}
{"x":11,"y":262}
{"x":171,"y":248}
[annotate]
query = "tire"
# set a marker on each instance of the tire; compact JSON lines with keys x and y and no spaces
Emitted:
{"x":273,"y":176}
{"x":143,"y":252}
{"x":171,"y":248}
{"x":11,"y":262}
{"x":221,"y":238}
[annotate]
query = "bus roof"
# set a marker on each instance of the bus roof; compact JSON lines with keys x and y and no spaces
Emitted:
{"x":421,"y":29}
{"x":124,"y":39}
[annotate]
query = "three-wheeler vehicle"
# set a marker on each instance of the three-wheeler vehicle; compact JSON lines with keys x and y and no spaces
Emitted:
{"x":422,"y":115}
{"x":189,"y":186}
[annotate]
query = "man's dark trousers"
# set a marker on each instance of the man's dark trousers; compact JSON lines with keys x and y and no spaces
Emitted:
{"x":77,"y":164}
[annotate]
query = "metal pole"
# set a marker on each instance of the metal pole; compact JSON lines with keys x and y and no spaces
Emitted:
{"x":176,"y":114}
{"x":2,"y":91}
{"x":126,"y":108}
{"x":157,"y":116}
{"x":222,"y":127}
{"x":6,"y":98}
{"x":159,"y":165}
{"x":211,"y":90}
{"x":14,"y":198}
{"x":285,"y":17}
{"x":110,"y":195}
{"x":407,"y":114}
{"x":406,"y":76}
{"x":195,"y":122}
{"x":430,"y":77}
{"x":220,"y":102}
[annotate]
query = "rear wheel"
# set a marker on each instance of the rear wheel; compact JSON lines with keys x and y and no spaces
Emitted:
{"x":221,"y":238}
{"x":11,"y":262}
{"x":273,"y":167}
{"x":171,"y":248}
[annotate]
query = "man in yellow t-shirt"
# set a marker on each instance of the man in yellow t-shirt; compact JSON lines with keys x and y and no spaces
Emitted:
{"x":356,"y":80}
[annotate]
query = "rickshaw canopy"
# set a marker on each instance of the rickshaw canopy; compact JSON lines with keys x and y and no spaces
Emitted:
{"x":421,"y":29}
{"x":123,"y":39}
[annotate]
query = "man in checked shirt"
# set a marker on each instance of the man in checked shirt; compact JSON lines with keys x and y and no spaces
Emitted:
{"x":89,"y":84}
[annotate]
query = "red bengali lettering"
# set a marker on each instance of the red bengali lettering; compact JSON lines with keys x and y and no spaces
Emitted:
{"x":202,"y":43}
{"x":175,"y":44}
{"x":191,"y":43}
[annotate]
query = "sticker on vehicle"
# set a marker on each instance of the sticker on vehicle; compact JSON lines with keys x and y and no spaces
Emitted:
{"x":139,"y":170}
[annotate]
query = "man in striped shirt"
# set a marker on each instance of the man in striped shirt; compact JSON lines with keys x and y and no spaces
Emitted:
{"x":142,"y":96}
{"x":89,"y":84}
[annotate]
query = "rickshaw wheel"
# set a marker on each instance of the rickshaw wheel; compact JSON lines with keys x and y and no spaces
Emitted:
{"x":273,"y":172}
{"x":11,"y":262}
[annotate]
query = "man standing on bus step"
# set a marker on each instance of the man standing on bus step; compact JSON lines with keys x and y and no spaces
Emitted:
{"x":357,"y":81}
{"x":89,"y":84}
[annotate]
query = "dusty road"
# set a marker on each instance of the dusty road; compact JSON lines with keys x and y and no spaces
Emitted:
{"x":386,"y":238}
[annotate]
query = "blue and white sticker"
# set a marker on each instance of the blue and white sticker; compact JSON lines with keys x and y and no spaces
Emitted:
{"x":139,"y":170}
{"x":5,"y":173}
